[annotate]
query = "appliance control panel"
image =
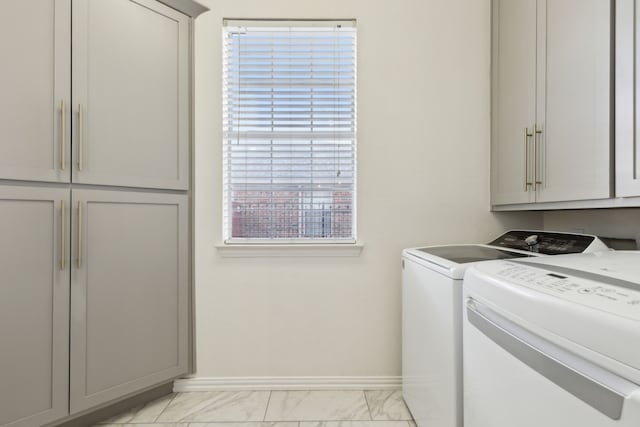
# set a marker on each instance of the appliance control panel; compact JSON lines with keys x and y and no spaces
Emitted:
{"x":592,"y":293}
{"x":549,"y":243}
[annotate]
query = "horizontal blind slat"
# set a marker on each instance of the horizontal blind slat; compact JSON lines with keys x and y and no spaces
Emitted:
{"x":325,"y":135}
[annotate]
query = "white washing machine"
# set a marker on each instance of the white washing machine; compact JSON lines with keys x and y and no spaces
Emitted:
{"x":432,"y":315}
{"x":553,"y":342}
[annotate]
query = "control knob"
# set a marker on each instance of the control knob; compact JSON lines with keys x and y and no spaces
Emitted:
{"x":532,"y":242}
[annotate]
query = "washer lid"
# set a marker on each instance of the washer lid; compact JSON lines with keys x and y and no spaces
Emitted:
{"x":453,"y":260}
{"x":592,"y":300}
{"x":463,"y":254}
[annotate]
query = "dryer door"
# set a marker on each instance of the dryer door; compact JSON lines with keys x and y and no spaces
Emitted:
{"x":514,"y":377}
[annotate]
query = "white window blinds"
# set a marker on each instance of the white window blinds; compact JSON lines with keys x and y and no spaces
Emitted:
{"x":289,"y":129}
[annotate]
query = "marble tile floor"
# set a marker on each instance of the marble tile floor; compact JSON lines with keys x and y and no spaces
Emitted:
{"x":321,"y":408}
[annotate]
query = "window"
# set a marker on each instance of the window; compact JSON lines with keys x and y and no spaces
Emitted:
{"x":289,"y":129}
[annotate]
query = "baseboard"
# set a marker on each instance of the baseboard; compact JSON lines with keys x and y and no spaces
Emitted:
{"x":286,"y":383}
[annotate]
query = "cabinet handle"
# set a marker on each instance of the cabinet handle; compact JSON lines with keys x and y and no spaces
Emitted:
{"x":79,"y":234}
{"x":62,"y":260}
{"x":527,"y":184}
{"x":536,"y":132}
{"x":63,"y":120}
{"x":80,"y":136}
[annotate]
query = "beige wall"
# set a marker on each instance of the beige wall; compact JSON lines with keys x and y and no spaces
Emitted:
{"x":423,"y":178}
{"x":617,"y":223}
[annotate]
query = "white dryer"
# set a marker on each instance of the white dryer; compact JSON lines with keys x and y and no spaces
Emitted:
{"x":432,"y":314}
{"x":553,"y":342}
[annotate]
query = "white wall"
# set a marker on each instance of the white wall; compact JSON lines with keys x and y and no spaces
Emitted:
{"x":617,"y":223}
{"x":423,"y":159}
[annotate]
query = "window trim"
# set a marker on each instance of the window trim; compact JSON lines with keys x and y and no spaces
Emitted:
{"x":271,"y":250}
{"x":234,"y":246}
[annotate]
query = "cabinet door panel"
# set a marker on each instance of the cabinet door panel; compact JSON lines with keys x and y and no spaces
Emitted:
{"x":574,"y":67}
{"x":513,"y":99}
{"x":34,"y":306}
{"x":35,"y":40}
{"x":129,"y":299}
{"x":130,"y":65}
{"x":627,"y":94}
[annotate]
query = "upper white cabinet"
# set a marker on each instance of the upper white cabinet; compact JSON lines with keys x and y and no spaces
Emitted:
{"x":551,"y":112}
{"x":35,"y":88}
{"x":130,"y":94}
{"x":513,"y":99}
{"x":574,"y":92}
{"x":627,"y":111}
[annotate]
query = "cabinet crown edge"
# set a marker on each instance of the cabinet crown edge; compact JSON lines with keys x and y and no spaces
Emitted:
{"x":188,"y":7}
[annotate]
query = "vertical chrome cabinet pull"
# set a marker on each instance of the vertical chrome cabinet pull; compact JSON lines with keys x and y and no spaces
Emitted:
{"x":79,"y":234}
{"x":527,"y":184}
{"x":536,"y":132}
{"x":80,"y":135}
{"x":63,"y":120}
{"x":62,"y":260}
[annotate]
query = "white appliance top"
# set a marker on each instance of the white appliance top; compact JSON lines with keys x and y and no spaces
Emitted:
{"x":453,"y":260}
{"x":592,"y":300}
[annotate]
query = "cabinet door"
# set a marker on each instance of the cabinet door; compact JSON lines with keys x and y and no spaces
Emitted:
{"x":574,"y":90}
{"x":129,"y":286}
{"x":35,"y":42}
{"x":626,"y":96}
{"x":513,"y":100}
{"x":34,"y":305}
{"x":130,"y":94}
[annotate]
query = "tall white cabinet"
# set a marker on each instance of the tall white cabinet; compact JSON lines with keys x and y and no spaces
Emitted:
{"x":551,"y":109}
{"x":94,"y":203}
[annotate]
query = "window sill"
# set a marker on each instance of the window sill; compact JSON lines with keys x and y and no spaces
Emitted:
{"x":239,"y":250}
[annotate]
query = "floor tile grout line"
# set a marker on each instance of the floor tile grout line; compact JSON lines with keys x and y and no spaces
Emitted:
{"x":165,"y":408}
{"x":364,"y":393}
{"x":266,"y":408}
